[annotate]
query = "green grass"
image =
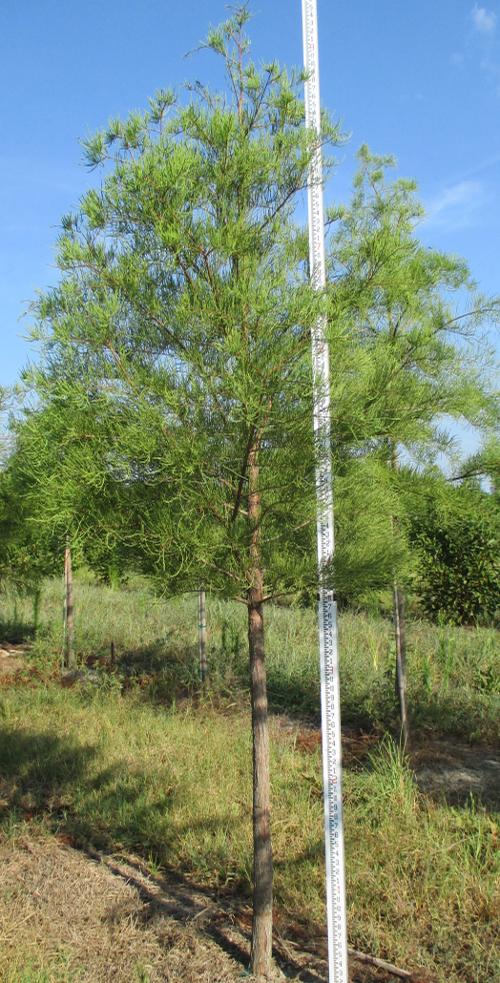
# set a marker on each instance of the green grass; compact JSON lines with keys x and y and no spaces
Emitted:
{"x":174,"y":786}
{"x":454,"y":677}
{"x":146,"y":763}
{"x":29,"y":974}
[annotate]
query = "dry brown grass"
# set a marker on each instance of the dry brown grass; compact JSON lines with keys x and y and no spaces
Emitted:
{"x":64,"y":916}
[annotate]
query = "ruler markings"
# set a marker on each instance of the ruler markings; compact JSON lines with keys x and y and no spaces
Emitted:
{"x":327,"y":609}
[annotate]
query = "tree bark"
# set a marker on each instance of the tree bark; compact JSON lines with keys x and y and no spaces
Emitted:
{"x":398,"y":615}
{"x":202,"y":634}
{"x":69,"y":651}
{"x":400,"y":638}
{"x":37,"y":593}
{"x":261,"y":952}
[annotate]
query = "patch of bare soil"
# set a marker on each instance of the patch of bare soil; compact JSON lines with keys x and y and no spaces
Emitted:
{"x":455,"y":772}
{"x":11,"y":659}
{"x":356,"y":745}
{"x":100,"y":918}
{"x":445,"y":769}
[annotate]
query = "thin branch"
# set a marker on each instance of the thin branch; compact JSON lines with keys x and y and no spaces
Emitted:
{"x":243,"y":472}
{"x":362,"y":957}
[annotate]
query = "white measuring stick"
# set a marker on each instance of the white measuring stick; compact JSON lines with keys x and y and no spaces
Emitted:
{"x":327,"y":607}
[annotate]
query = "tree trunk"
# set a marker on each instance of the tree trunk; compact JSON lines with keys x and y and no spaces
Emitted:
{"x":262,"y":927}
{"x":202,"y":634}
{"x":400,"y":638}
{"x":398,"y":614}
{"x":36,"y":609}
{"x":69,"y":652}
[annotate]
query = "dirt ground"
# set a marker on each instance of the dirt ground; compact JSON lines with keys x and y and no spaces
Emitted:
{"x":455,"y":772}
{"x":94,"y":918}
{"x":11,"y":659}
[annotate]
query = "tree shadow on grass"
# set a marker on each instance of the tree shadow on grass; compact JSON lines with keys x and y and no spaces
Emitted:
{"x":53,"y":779}
{"x":167,"y":671}
{"x":189,"y":903}
{"x":163,"y":668}
{"x":226,"y":922}
{"x":56,"y":780}
{"x":15,"y":631}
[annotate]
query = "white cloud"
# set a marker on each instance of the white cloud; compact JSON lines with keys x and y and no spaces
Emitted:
{"x":483,"y":165}
{"x":456,"y":206}
{"x":484,"y":20}
{"x":481,"y":46}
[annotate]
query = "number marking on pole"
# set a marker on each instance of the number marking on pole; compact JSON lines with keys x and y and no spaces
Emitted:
{"x":327,"y":607}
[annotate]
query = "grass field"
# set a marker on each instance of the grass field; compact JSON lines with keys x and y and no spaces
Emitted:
{"x":142,"y":762}
{"x":454,"y":675}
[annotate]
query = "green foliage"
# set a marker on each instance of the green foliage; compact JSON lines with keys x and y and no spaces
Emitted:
{"x":412,"y":361}
{"x":176,"y":346}
{"x":459,"y":569}
{"x":161,"y":366}
{"x":483,"y":465}
{"x":417,"y":315}
{"x":27,"y":552}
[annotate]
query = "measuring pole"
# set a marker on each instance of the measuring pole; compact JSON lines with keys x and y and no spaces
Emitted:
{"x":327,"y":607}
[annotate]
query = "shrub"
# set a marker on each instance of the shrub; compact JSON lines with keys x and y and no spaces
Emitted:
{"x":458,"y":566}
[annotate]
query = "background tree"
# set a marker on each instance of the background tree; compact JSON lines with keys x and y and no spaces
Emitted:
{"x":455,"y":531}
{"x":415,"y":316}
{"x":59,"y":493}
{"x":27,"y":550}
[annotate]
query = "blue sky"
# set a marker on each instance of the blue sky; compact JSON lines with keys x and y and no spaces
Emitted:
{"x":418,"y":80}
